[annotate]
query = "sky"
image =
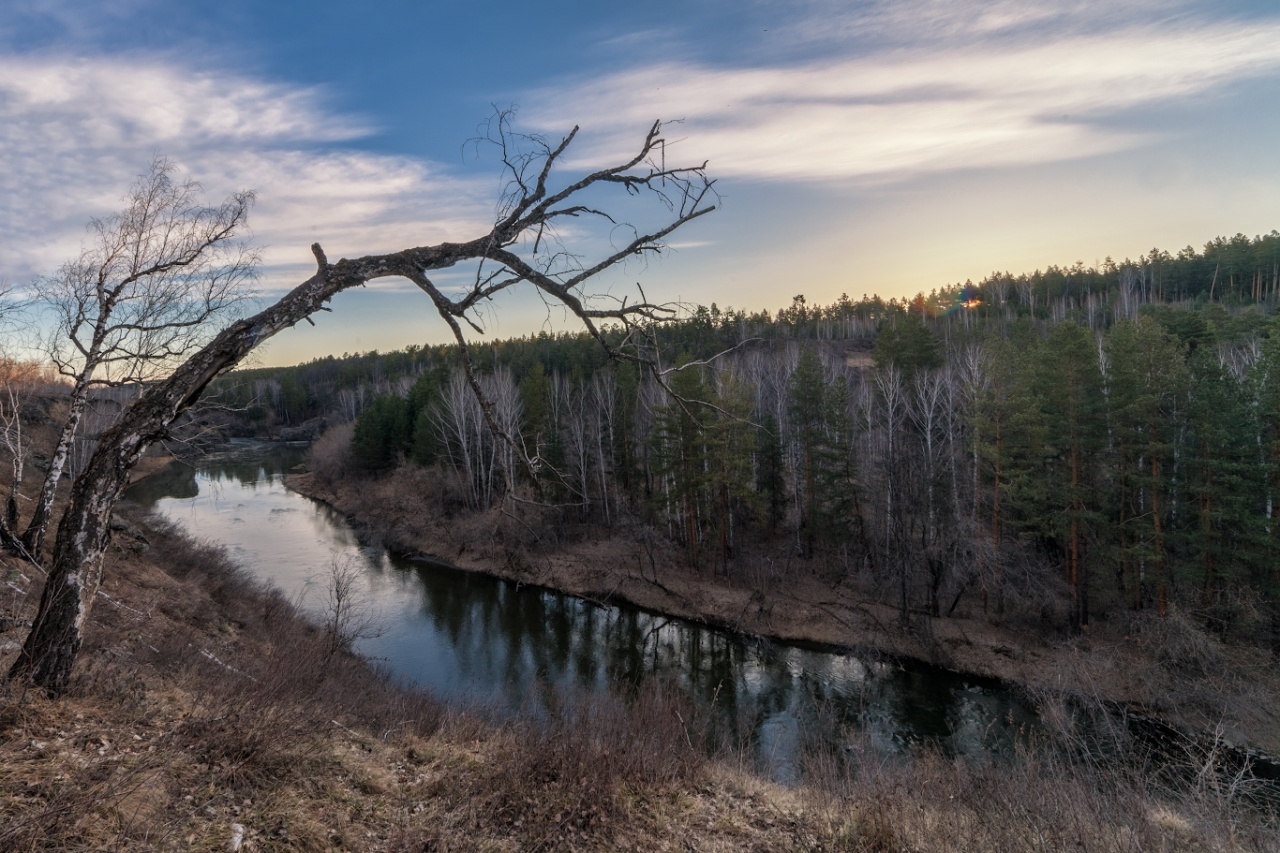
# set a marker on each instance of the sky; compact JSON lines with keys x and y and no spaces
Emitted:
{"x":878,"y":147}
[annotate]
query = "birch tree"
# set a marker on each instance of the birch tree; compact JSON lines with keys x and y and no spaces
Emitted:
{"x":18,"y":378}
{"x":927,"y":409}
{"x":139,"y":298}
{"x":504,"y":395}
{"x":893,"y":400}
{"x":459,"y":420}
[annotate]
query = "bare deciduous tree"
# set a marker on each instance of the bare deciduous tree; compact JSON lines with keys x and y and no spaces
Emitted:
{"x":139,"y":298}
{"x":18,"y":378}
{"x":893,"y":391}
{"x":520,"y":248}
{"x":8,"y":304}
{"x":348,"y":615}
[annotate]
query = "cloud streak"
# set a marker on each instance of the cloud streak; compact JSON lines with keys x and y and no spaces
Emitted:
{"x":75,"y":132}
{"x":915,"y":23}
{"x":900,"y":112}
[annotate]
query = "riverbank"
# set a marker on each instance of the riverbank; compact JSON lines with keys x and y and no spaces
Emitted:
{"x":206,"y":714}
{"x":1160,"y":667}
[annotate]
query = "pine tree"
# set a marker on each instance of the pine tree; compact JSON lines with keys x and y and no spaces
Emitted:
{"x":770,"y":471}
{"x":679,"y":451}
{"x":381,"y":433}
{"x":1223,"y":533}
{"x":1071,"y":384}
{"x":1265,"y":380}
{"x":1145,"y":389}
{"x":993,"y":393}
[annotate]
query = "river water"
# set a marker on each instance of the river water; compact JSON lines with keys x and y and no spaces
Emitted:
{"x":473,"y":638}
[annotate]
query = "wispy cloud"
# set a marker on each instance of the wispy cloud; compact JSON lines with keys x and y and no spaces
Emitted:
{"x":915,"y":23}
{"x":75,"y":132}
{"x":995,"y":97}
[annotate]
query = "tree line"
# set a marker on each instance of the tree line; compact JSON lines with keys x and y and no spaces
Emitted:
{"x":1229,"y":273}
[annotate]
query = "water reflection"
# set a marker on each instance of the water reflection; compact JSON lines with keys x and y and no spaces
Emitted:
{"x":476,"y":638}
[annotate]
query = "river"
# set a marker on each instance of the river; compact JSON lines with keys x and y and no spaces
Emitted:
{"x":472,"y":638}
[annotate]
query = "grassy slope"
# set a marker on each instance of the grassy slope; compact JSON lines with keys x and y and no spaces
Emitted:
{"x":204,"y":709}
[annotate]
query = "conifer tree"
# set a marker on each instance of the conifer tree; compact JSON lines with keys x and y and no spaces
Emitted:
{"x":1074,"y":430}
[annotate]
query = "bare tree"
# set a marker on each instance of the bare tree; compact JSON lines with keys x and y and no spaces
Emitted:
{"x":458,"y":420}
{"x":501,"y":390}
{"x":520,"y":248}
{"x":893,"y":391}
{"x":348,"y":615}
{"x":18,"y":378}
{"x":479,"y":458}
{"x":8,"y":304}
{"x":578,"y":440}
{"x":139,"y":298}
{"x":604,"y":394}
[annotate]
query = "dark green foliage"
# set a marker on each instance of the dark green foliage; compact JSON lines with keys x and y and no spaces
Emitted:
{"x":701,"y":449}
{"x":1073,"y":429}
{"x":382,"y":433}
{"x":1190,"y":327}
{"x":1265,"y":380}
{"x":823,"y":433}
{"x":423,"y":443}
{"x":1146,"y":384}
{"x":1224,"y":486}
{"x":908,"y":344}
{"x":770,"y":471}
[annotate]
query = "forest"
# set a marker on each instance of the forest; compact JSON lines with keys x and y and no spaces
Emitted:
{"x":1060,"y":447}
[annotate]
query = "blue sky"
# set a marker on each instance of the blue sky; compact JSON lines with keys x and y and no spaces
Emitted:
{"x":860,"y":147}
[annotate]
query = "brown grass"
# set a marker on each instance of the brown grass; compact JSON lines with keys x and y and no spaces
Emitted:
{"x":205,"y":708}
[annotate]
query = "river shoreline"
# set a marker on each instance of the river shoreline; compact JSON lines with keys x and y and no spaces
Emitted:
{"x":615,"y":566}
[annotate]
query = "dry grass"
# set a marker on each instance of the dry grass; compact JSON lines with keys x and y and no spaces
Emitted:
{"x":1049,"y":799}
{"x":205,"y":710}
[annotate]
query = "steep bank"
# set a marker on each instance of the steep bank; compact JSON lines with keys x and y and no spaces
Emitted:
{"x":205,"y":714}
{"x":1163,"y":667}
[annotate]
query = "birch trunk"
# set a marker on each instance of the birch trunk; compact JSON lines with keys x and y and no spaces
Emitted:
{"x":33,"y":536}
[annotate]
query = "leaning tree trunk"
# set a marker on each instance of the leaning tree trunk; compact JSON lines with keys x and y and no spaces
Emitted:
{"x":75,"y":570}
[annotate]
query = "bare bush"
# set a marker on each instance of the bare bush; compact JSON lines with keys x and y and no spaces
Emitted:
{"x":1042,"y":799}
{"x":330,"y":457}
{"x":347,"y":615}
{"x":1178,"y":643}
